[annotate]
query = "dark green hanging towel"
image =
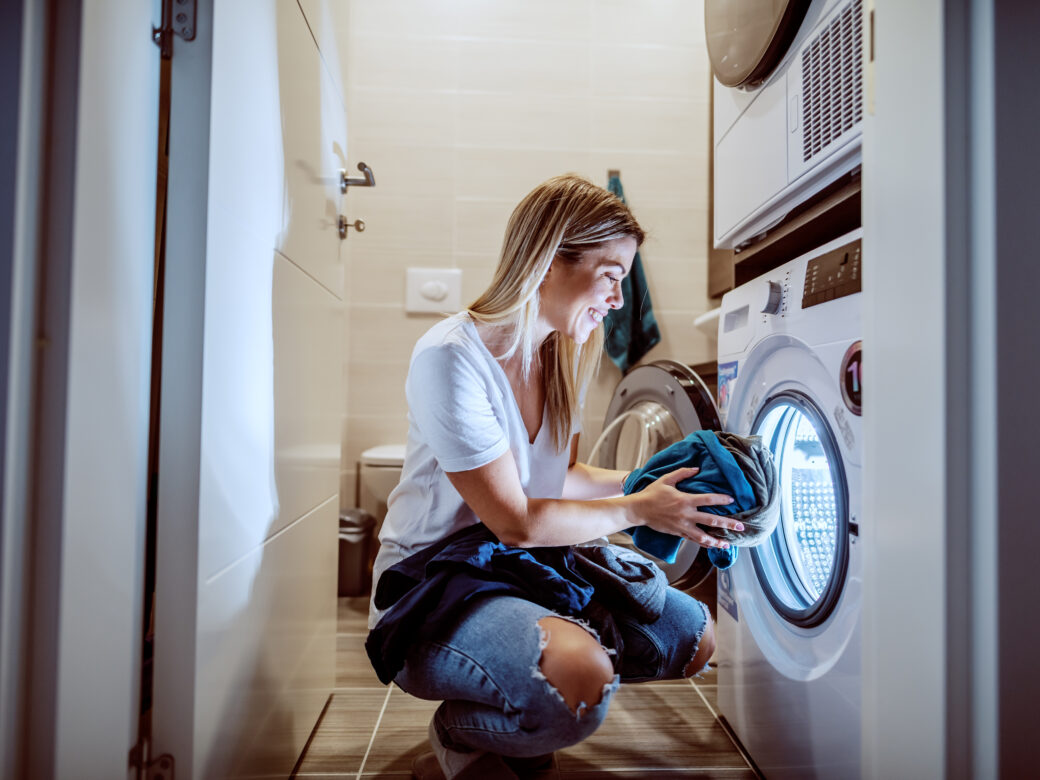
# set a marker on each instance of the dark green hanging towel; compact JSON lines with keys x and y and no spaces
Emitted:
{"x":631,"y":331}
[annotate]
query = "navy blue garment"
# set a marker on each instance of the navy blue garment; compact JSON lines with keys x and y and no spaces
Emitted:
{"x":632,"y":330}
{"x":719,"y":473}
{"x":434,"y":587}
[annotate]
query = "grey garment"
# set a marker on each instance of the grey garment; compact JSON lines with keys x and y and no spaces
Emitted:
{"x":756,"y":461}
{"x":624,"y":579}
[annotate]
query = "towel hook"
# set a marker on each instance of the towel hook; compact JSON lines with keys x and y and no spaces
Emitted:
{"x":345,"y":181}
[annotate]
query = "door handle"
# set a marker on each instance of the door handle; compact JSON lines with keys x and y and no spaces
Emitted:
{"x":345,"y":181}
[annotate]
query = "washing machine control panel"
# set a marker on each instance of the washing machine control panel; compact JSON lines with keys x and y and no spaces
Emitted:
{"x":833,"y":275}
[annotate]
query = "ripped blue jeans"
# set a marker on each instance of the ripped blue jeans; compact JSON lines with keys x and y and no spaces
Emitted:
{"x":495,"y":698}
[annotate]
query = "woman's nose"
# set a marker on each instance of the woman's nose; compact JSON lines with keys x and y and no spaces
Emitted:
{"x":617,"y":298}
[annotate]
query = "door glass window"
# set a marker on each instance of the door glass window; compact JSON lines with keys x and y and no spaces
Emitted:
{"x":799,"y":563}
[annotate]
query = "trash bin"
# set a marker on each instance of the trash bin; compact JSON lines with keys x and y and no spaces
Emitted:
{"x":355,"y":546}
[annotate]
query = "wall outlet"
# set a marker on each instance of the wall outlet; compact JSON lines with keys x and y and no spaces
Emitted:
{"x":433,"y":290}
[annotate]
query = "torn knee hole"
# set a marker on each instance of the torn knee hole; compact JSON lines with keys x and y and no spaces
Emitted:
{"x":573,"y":663}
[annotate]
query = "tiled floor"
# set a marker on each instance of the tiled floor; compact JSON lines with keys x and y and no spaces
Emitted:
{"x":665,"y":730}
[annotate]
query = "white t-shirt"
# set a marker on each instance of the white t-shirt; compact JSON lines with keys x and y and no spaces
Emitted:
{"x":462,"y":414}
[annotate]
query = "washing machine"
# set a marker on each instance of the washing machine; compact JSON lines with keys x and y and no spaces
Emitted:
{"x":788,"y":107}
{"x":790,"y":371}
{"x":788,"y":627}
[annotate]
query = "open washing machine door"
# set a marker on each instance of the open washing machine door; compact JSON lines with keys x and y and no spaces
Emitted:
{"x":656,"y":405}
{"x":747,"y":39}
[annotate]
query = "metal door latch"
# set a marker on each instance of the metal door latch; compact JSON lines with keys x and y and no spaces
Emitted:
{"x":345,"y":181}
{"x":357,"y":224}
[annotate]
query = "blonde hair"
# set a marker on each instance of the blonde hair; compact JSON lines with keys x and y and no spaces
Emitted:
{"x":561,"y":218}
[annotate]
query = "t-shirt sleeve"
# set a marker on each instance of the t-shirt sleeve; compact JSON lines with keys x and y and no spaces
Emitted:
{"x":449,"y":401}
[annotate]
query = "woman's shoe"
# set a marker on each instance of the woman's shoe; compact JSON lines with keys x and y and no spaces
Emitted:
{"x":447,"y":764}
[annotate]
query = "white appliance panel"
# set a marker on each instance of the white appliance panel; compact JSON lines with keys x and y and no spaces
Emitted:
{"x":751,"y":158}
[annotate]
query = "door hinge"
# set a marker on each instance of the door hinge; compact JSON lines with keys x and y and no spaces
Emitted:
{"x":178,"y":18}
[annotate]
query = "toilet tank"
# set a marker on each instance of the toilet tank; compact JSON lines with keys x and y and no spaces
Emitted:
{"x":378,"y":475}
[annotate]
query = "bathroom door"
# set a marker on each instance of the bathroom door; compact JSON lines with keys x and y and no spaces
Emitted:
{"x":245,"y":603}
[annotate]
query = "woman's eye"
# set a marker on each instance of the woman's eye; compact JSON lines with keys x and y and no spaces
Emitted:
{"x":613,"y":279}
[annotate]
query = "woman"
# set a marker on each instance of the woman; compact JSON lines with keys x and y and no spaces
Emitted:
{"x":494,"y":414}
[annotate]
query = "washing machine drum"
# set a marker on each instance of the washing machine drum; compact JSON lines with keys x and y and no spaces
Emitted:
{"x":653,"y":406}
{"x":747,"y":39}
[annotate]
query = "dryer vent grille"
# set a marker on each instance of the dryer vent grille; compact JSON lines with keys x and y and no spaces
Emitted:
{"x":832,"y":81}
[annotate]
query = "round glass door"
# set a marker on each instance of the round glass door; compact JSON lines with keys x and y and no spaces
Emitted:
{"x":653,"y":406}
{"x":644,"y":429}
{"x":802,"y":565}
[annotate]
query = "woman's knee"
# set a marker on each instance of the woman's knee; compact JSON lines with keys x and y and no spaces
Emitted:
{"x":574,"y":662}
{"x":705,"y":650}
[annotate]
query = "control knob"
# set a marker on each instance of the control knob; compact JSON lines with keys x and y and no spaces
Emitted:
{"x":773,"y":299}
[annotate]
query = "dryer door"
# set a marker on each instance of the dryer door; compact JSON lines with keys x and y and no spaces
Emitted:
{"x":748,"y":38}
{"x":653,"y":406}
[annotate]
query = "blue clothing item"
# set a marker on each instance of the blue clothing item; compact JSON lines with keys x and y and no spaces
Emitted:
{"x":719,"y":472}
{"x":631,"y":331}
{"x":432,"y":588}
{"x":485,"y":670}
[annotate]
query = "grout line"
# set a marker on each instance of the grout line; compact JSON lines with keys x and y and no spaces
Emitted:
{"x":740,"y":748}
{"x":372,"y":739}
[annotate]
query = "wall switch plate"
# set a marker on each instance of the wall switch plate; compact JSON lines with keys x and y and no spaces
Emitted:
{"x":433,"y":290}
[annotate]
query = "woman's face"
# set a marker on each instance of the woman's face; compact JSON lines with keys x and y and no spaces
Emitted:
{"x":576,"y":296}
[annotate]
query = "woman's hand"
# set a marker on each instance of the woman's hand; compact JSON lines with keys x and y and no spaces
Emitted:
{"x":663,"y":507}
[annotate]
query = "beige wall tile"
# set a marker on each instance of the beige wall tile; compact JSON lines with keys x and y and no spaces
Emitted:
{"x":403,"y":18}
{"x":535,"y":122}
{"x":536,"y":20}
{"x":480,"y":225}
{"x":370,"y":431}
{"x":509,"y":174}
{"x":676,"y":285}
{"x":673,"y":230}
{"x":378,"y":388}
{"x":378,"y":275}
{"x":661,"y":22}
{"x":384,"y":334}
{"x":348,"y":488}
{"x":645,"y":124}
{"x":407,"y":222}
{"x":655,"y":178}
{"x":404,"y":169}
{"x":400,"y":117}
{"x":680,"y":340}
{"x":522,"y":68}
{"x":390,"y":62}
{"x":648,"y":71}
{"x":477,"y":270}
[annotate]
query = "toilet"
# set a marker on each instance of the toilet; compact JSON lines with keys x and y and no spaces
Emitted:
{"x":379,"y":473}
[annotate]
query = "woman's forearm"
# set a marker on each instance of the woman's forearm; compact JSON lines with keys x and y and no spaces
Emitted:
{"x":585,"y":482}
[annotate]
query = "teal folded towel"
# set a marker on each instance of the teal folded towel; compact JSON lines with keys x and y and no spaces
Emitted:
{"x":632,"y":330}
{"x":737,"y":466}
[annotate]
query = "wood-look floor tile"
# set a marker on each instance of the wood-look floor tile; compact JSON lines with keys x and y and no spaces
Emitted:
{"x":661,"y":774}
{"x":402,"y":733}
{"x":654,"y":728}
{"x":352,"y":615}
{"x":353,"y":669}
{"x":340,"y":741}
{"x":711,"y":693}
